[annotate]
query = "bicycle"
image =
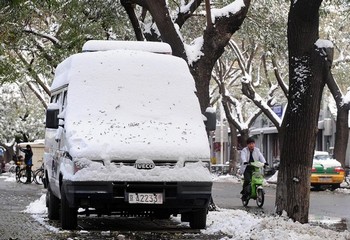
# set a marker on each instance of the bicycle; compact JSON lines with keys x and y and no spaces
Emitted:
{"x":15,"y":169}
{"x":39,"y":175}
{"x":22,"y":177}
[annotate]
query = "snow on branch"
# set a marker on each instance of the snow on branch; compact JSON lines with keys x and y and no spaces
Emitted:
{"x":325,"y":48}
{"x":322,"y":43}
{"x":228,"y":10}
{"x":233,"y":111}
{"x":186,"y":11}
{"x":43,"y":35}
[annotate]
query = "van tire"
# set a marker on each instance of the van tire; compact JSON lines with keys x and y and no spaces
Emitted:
{"x":53,"y":204}
{"x":199,"y":219}
{"x":69,"y":219}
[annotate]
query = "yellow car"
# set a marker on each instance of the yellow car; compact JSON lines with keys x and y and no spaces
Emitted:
{"x":326,"y":171}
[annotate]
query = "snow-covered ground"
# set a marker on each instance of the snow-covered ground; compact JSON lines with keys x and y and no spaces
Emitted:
{"x":234,"y":224}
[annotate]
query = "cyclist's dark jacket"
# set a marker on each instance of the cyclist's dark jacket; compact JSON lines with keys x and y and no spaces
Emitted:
{"x":28,"y":156}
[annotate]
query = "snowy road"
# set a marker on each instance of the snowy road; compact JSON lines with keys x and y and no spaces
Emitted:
{"x":23,"y":215}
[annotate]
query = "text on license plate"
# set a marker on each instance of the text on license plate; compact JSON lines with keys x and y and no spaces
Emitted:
{"x":325,"y":179}
{"x":146,"y":198}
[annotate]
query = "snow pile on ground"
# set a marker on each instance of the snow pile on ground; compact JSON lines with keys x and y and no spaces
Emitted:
{"x":233,"y":224}
{"x":9,"y":177}
{"x":226,"y":178}
{"x":273,"y":178}
{"x":238,"y":224}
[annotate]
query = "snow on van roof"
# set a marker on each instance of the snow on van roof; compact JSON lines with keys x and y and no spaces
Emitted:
{"x":104,"y":45}
{"x":131,"y":105}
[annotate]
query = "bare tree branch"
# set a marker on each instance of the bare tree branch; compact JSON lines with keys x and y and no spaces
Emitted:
{"x":128,"y":6}
{"x":279,"y":79}
{"x":33,"y":73}
{"x":54,"y":40}
{"x":37,"y":94}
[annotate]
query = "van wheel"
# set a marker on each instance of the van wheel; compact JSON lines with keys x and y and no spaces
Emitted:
{"x":52,"y":204}
{"x":199,"y":219}
{"x":69,"y":220}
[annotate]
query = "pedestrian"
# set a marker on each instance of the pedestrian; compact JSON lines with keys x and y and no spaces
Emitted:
{"x":28,"y":160}
{"x":249,"y":154}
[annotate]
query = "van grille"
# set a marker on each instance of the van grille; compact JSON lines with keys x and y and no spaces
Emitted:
{"x":158,"y":163}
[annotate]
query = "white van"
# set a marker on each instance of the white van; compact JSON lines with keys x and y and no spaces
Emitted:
{"x":125,"y":136}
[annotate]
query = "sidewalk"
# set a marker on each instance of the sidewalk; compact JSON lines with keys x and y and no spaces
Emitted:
{"x":14,"y":223}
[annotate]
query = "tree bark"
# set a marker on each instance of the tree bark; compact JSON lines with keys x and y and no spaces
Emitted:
{"x":342,"y":134}
{"x":234,"y":160}
{"x":133,"y":19}
{"x":307,"y":76}
{"x":215,"y":40}
{"x":160,"y":14}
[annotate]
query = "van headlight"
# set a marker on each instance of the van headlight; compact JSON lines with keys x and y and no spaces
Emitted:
{"x":205,"y":164}
{"x":84,"y":163}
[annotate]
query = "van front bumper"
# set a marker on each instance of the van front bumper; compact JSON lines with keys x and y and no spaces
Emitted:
{"x":113,"y":196}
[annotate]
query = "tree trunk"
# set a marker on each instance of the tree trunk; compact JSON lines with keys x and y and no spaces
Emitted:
{"x":342,"y":127}
{"x":342,"y":134}
{"x":307,"y":75}
{"x":233,"y":151}
{"x":9,"y":152}
{"x":160,"y":14}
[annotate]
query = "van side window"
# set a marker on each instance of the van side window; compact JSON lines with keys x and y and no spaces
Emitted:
{"x":54,"y":98}
{"x":64,"y":100}
{"x":57,"y":97}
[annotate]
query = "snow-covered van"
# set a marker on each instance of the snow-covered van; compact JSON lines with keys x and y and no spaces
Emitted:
{"x":125,"y":136}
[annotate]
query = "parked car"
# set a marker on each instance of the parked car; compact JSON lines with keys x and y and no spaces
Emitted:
{"x":326,"y":171}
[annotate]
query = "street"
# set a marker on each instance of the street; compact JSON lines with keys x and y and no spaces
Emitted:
{"x":324,"y":205}
{"x":17,"y":224}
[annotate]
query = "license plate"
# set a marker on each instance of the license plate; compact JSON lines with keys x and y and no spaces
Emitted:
{"x":146,"y":198}
{"x":325,"y":179}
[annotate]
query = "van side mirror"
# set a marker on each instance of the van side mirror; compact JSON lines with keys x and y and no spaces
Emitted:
{"x":52,"y":118}
{"x":210,"y":123}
